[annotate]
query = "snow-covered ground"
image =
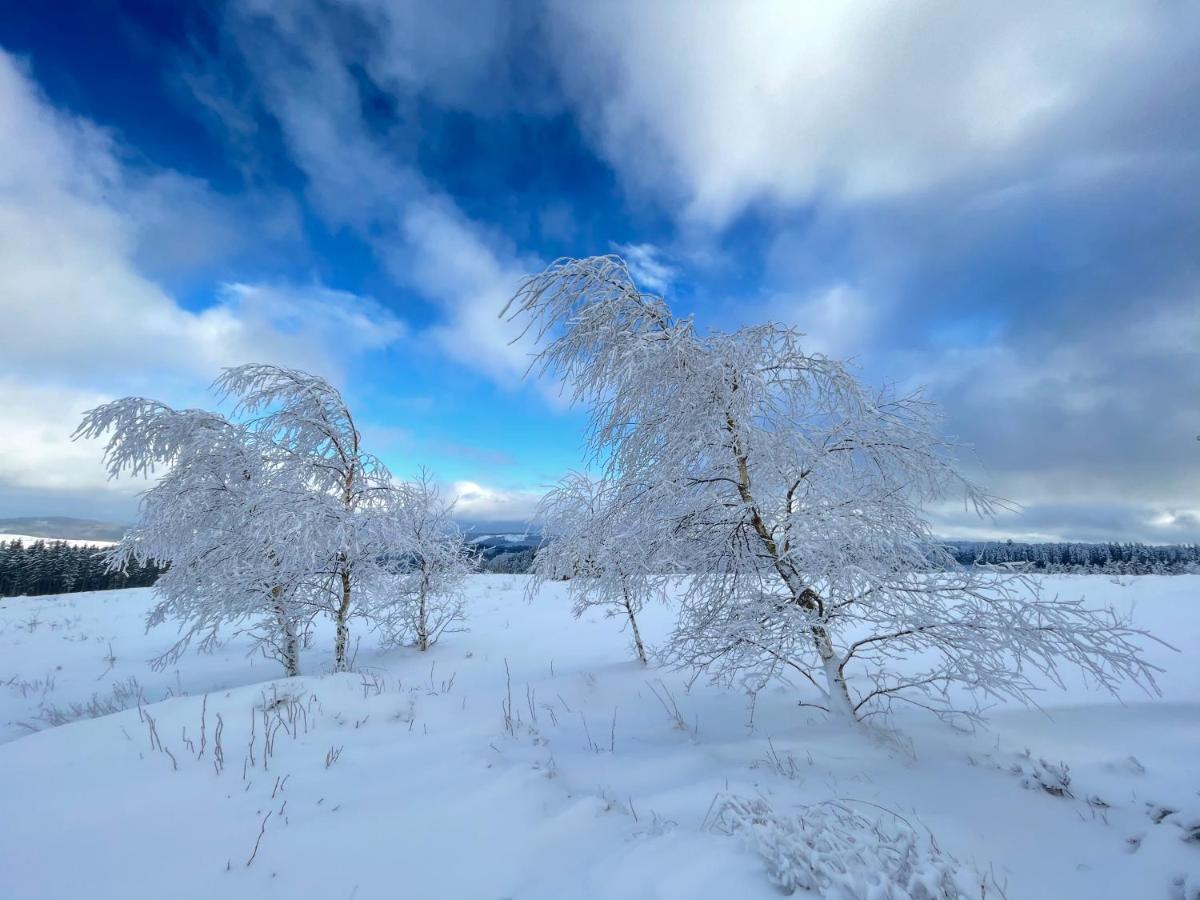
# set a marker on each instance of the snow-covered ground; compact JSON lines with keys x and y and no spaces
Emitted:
{"x":404,"y":780}
{"x":70,"y":542}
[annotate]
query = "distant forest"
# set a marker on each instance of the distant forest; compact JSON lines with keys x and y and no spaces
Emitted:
{"x":1114,"y":558}
{"x":54,"y":567}
{"x":1117,"y":559}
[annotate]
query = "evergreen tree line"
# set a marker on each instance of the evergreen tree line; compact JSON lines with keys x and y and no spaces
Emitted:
{"x":1112,"y":558}
{"x":507,"y":562}
{"x":56,"y":567}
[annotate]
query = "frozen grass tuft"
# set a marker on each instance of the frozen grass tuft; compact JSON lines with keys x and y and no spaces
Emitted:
{"x":838,"y":854}
{"x":124,"y":695}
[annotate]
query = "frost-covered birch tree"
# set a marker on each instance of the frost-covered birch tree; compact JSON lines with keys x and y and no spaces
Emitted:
{"x":310,"y":429}
{"x":426,"y":599}
{"x":593,"y":540}
{"x":221,"y":517}
{"x":272,"y":517}
{"x":793,"y":494}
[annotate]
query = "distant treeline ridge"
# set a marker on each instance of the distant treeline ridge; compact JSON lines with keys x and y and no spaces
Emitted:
{"x":1113,"y":558}
{"x":55,"y":567}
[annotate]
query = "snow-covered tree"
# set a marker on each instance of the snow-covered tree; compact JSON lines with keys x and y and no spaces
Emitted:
{"x":592,"y":538}
{"x":222,"y":517}
{"x":794,"y":496}
{"x":311,"y":431}
{"x":426,"y":598}
{"x":266,"y":519}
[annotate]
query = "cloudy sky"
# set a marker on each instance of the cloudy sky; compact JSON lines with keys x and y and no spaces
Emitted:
{"x":1000,"y":201}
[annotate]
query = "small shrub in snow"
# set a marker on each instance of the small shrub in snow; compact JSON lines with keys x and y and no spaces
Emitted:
{"x":1053,"y":778}
{"x":1039,"y":774}
{"x":840,"y":855}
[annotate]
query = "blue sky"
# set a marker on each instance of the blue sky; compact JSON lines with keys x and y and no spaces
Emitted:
{"x":997,"y":202}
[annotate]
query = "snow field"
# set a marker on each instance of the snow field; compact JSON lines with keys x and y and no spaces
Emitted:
{"x":529,"y":757}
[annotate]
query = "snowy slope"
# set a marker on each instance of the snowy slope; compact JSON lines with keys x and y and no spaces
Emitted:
{"x":601,"y":788}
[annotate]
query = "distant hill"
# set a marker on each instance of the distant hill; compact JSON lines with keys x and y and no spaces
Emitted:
{"x":64,"y":527}
{"x":472,"y":528}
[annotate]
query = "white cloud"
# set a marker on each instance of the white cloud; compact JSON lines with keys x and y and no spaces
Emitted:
{"x":73,"y":299}
{"x":838,"y":321}
{"x":365,"y":181}
{"x":712,"y":107}
{"x":452,"y":263}
{"x":70,"y":296}
{"x":77,"y":308}
{"x":476,"y":502}
{"x":313,"y":327}
{"x":1093,"y":433}
{"x":456,"y":52}
{"x":36,"y":450}
{"x":647,"y":266}
{"x":180,"y":225}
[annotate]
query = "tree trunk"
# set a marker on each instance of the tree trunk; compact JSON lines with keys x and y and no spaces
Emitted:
{"x":289,"y":649}
{"x":838,"y":694}
{"x":291,"y":653}
{"x":423,"y":617}
{"x":342,"y":639}
{"x":637,"y":635}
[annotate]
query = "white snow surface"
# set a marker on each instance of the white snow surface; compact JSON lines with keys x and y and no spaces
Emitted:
{"x":599,"y":791}
{"x":70,"y":542}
